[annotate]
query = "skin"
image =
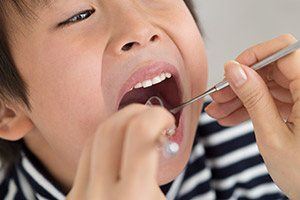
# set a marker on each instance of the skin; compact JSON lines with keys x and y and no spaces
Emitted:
{"x":54,"y":64}
{"x":74,"y":75}
{"x":269,"y":97}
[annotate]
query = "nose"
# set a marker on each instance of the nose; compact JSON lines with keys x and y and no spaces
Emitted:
{"x":136,"y":43}
{"x":134,"y":32}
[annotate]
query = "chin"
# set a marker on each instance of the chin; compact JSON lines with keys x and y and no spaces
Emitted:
{"x":168,"y":171}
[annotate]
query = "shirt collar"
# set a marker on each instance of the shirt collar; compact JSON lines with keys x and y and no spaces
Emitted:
{"x":42,"y":183}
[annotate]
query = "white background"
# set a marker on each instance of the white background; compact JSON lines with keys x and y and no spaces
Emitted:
{"x":231,"y":26}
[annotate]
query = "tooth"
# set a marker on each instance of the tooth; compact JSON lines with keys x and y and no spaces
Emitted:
{"x":147,"y":83}
{"x":168,"y":75}
{"x":156,"y":80}
{"x":162,"y":77}
{"x":137,"y":86}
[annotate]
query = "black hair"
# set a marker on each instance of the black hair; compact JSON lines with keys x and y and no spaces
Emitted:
{"x":13,"y":88}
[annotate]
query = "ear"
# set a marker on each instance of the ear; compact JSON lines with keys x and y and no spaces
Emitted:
{"x":14,"y":124}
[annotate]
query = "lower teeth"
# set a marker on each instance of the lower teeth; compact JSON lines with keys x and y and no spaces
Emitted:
{"x":170,"y":148}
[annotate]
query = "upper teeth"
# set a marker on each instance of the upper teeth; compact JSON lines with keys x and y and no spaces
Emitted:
{"x":155,"y":80}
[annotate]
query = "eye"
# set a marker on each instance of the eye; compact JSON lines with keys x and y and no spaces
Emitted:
{"x":77,"y":18}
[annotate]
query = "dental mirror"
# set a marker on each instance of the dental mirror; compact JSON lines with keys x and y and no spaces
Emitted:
{"x":170,"y":148}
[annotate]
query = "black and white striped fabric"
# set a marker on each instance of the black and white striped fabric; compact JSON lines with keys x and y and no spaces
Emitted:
{"x":224,"y":164}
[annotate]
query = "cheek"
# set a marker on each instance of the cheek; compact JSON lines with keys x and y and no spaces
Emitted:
{"x":190,"y":44}
{"x":198,"y":72}
{"x":194,"y":57}
{"x":66,"y":96}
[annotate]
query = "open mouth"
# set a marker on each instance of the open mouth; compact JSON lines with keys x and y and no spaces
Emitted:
{"x":165,"y":86}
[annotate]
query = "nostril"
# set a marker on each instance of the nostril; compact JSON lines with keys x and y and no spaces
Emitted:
{"x":127,"y":46}
{"x":154,"y":38}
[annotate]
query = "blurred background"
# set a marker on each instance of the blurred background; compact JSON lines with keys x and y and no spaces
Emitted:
{"x":231,"y":26}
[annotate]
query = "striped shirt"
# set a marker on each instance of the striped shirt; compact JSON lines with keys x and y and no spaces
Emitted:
{"x":224,"y":164}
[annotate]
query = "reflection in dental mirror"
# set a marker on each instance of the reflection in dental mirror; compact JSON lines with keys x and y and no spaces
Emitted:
{"x":170,"y":148}
{"x":155,"y":101}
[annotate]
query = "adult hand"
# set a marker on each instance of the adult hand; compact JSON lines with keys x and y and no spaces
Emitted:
{"x":121,"y":160}
{"x":271,"y":98}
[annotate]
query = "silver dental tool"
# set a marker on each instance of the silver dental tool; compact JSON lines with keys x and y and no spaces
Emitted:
{"x":223,"y":84}
{"x":171,"y":148}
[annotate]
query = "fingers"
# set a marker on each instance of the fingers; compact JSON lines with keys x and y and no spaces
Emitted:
{"x":239,"y":114}
{"x":123,"y":156}
{"x":228,"y":114}
{"x":258,"y":52}
{"x":224,"y":95}
{"x":222,"y":110}
{"x":290,"y":66}
{"x":252,"y":91}
{"x":140,"y":156}
{"x":267,"y":109}
{"x":227,"y":96}
{"x":263,"y":50}
{"x":295,"y":116}
{"x":107,"y":146}
{"x":271,"y":73}
{"x":235,"y":118}
{"x":277,"y":83}
{"x":284,"y":70}
{"x":282,"y":97}
{"x":83,"y":173}
{"x":281,"y":94}
{"x":285,"y":109}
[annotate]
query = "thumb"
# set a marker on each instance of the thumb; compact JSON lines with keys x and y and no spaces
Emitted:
{"x":253,"y":92}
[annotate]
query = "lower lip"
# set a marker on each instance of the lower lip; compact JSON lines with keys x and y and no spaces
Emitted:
{"x":178,"y":136}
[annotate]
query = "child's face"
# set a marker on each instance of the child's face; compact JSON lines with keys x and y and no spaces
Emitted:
{"x":78,"y":72}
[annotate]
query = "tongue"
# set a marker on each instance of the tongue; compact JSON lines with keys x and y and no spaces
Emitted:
{"x":147,"y":99}
{"x":142,"y":95}
{"x":135,"y":96}
{"x":166,"y":90}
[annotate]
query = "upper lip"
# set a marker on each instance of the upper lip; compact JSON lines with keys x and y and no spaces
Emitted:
{"x":148,"y":72}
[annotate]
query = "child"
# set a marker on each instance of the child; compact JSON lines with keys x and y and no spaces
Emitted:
{"x":70,"y":69}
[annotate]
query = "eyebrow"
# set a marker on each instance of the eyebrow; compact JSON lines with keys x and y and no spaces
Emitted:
{"x":26,"y":8}
{"x":45,"y":3}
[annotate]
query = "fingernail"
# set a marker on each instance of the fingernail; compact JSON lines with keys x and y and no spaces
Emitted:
{"x":235,"y":73}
